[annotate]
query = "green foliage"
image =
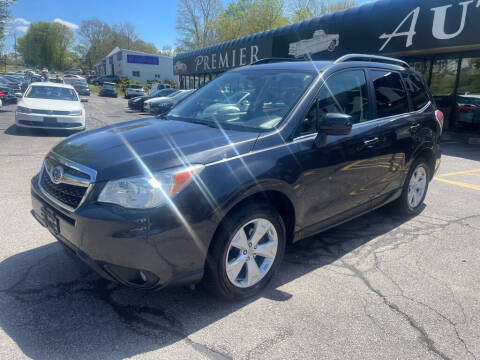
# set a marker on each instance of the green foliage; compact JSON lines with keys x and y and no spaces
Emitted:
{"x":306,"y":9}
{"x":4,"y":17}
{"x":47,"y":45}
{"x":99,"y":38}
{"x":245,"y":17}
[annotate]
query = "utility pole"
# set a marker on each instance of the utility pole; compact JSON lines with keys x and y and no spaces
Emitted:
{"x":15,"y":47}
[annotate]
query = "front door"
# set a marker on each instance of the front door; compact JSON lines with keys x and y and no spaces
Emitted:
{"x":337,"y":170}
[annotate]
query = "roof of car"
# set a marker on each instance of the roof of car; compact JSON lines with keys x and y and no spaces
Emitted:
{"x":287,"y":65}
{"x":53,"y":84}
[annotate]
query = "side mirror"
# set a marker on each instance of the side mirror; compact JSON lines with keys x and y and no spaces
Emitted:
{"x":335,"y":124}
{"x":83,"y":100}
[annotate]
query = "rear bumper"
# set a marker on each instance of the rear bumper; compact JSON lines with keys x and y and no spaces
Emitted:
{"x":141,"y":249}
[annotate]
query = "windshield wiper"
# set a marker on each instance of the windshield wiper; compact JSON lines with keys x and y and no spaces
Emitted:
{"x":195,"y":121}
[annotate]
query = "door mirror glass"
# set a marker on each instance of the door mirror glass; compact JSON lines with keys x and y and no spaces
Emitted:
{"x":335,"y":124}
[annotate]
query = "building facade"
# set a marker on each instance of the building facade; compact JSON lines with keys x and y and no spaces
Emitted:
{"x":439,"y":38}
{"x":136,"y":65}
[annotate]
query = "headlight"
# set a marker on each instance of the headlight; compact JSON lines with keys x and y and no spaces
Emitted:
{"x":76,"y":112}
{"x":24,"y":110}
{"x":164,"y":104}
{"x":145,"y":192}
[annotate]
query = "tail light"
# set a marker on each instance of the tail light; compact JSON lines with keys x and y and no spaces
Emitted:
{"x":439,"y":116}
{"x":2,"y":94}
{"x":465,"y":108}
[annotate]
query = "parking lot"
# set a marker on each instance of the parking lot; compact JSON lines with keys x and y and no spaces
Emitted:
{"x":378,"y":287}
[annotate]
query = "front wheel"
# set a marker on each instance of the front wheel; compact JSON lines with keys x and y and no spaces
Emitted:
{"x":414,"y":190}
{"x":246,"y":252}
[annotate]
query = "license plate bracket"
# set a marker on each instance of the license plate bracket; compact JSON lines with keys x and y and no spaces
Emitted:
{"x":50,"y":120}
{"x":51,"y":220}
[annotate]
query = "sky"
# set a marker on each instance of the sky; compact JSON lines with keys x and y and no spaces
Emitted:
{"x":154,"y":20}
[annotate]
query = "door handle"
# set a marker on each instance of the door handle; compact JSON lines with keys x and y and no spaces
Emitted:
{"x":414,"y":128}
{"x":371,"y":142}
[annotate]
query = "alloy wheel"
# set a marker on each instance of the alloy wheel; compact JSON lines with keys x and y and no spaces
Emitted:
{"x":417,"y":186}
{"x":251,"y":253}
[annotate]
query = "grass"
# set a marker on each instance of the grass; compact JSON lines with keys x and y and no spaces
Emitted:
{"x":94,"y":88}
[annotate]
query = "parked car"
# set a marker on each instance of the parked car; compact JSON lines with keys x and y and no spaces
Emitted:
{"x":162,"y":105}
{"x":156,"y":86}
{"x":137,"y":103}
{"x":134,"y":90}
{"x":72,"y":76}
{"x":217,"y":197}
{"x":7,"y":97}
{"x":106,"y":78}
{"x":81,"y":86}
{"x":50,"y":106}
{"x":73,"y":71}
{"x":57,"y":80}
{"x":108,"y":89}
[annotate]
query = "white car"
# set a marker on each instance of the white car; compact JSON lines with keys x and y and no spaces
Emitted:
{"x":320,"y":41}
{"x":50,"y":106}
{"x":134,"y":90}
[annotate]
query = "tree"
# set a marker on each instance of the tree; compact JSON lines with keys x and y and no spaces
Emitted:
{"x":94,"y":34}
{"x":46,"y":45}
{"x":4,"y":18}
{"x":245,"y":17}
{"x":167,"y":51}
{"x":306,"y":9}
{"x":195,"y":23}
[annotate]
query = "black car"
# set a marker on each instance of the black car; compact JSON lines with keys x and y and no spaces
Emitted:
{"x":217,"y":195}
{"x":7,"y":97}
{"x":108,"y":89}
{"x":165,"y":105}
{"x":137,"y":102}
{"x":105,"y":78}
{"x":81,"y":87}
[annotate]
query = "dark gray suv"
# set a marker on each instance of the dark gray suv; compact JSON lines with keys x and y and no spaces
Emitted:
{"x":214,"y":190}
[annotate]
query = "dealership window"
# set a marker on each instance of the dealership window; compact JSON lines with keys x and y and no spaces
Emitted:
{"x":467,"y":99}
{"x":345,"y":93}
{"x":391,"y":98}
{"x":422,"y":66}
{"x":136,"y":73}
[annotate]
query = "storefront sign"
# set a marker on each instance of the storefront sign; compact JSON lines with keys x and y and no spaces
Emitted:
{"x":384,"y":27}
{"x":224,"y":59}
{"x":142,"y":59}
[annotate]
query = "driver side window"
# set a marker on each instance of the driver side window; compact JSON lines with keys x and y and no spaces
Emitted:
{"x":345,"y":93}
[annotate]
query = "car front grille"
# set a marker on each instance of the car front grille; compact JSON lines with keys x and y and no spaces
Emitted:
{"x":67,"y":194}
{"x":50,"y":112}
{"x":47,"y":125}
{"x":71,"y":187}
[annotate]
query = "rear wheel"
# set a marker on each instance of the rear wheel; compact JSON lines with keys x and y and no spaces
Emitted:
{"x":414,"y":190}
{"x":246,"y":252}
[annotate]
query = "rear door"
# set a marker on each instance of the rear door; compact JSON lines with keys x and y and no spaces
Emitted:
{"x":336,"y":170}
{"x":396,"y":132}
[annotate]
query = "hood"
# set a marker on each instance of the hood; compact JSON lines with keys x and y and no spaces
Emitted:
{"x":118,"y":151}
{"x":45,"y":104}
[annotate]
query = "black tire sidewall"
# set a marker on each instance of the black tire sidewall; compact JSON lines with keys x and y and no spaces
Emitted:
{"x":216,"y":263}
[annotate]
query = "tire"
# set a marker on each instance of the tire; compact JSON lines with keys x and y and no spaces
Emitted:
{"x":404,"y":204}
{"x":235,"y":284}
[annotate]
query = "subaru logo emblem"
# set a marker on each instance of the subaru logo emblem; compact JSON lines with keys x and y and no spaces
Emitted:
{"x":57,"y":174}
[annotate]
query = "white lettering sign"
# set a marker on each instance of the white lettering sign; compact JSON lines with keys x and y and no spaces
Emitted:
{"x":409,"y":34}
{"x":218,"y":61}
{"x":439,"y":17}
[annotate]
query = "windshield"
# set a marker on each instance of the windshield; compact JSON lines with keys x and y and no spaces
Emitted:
{"x":271,"y":95}
{"x":52,"y":93}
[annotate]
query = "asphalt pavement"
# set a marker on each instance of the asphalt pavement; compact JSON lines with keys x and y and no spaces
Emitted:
{"x":378,"y":287}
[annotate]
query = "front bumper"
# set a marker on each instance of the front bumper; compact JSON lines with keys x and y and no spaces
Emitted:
{"x":142,"y":249}
{"x":49,"y":121}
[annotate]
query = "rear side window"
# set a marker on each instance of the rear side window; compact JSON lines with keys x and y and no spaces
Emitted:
{"x":416,"y":90}
{"x":391,"y":98}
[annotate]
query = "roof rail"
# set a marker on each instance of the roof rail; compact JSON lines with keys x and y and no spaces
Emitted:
{"x":374,"y":58}
{"x":274,"y":60}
